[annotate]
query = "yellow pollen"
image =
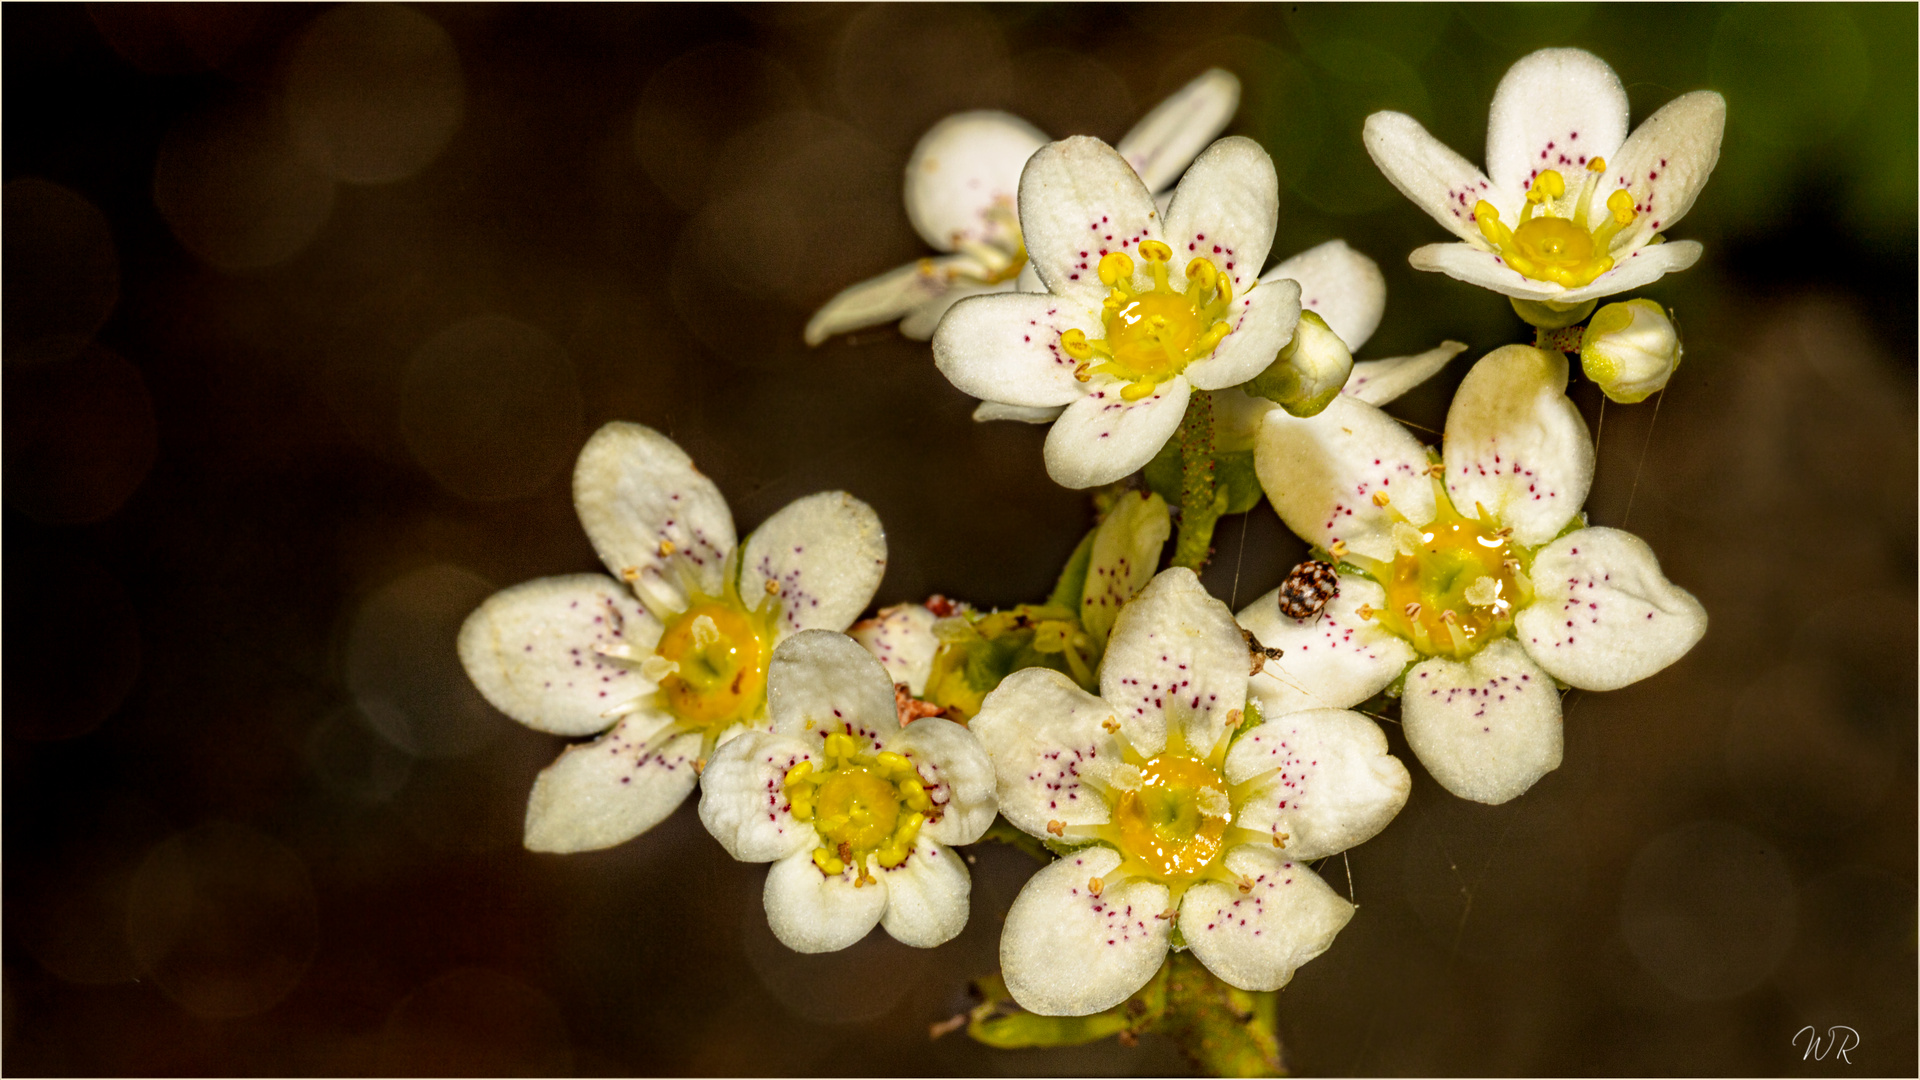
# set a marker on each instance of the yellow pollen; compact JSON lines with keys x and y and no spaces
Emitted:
{"x":1455,"y":586}
{"x":1152,"y":334}
{"x":861,"y":806}
{"x":1380,"y":498}
{"x":1172,"y":826}
{"x":773,"y":587}
{"x":1547,"y":247}
{"x":721,"y":665}
{"x":1095,"y":886}
{"x":666,"y":548}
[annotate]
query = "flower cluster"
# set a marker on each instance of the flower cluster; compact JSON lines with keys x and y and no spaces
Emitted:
{"x":1182,"y":766}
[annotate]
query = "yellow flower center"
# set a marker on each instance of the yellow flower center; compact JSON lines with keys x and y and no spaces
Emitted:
{"x":1173,"y":825}
{"x":719,"y":664}
{"x":861,"y":806}
{"x":1454,"y":583}
{"x":1152,"y":335}
{"x":1552,"y":248}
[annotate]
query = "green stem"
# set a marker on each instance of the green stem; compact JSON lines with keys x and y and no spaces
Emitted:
{"x":1226,"y":1031}
{"x":1201,"y":502}
{"x":1564,"y":340}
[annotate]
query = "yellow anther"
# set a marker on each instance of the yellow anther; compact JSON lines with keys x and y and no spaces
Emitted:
{"x":1548,"y":185}
{"x":629,"y":573}
{"x":1491,"y":227}
{"x":1365,"y":611}
{"x":1621,"y":203}
{"x":1201,"y":272}
{"x":1449,"y":617}
{"x":797,"y":773}
{"x":1083,"y":371}
{"x":1338,"y":549}
{"x":1073,"y":342}
{"x":1137,"y":390}
{"x":1115,"y":267}
{"x":699,"y":766}
{"x":1436,"y":469}
{"x":1597,"y":165}
{"x":914,"y":794}
{"x":1095,"y":885}
{"x":828,"y":865}
{"x":1110,"y":724}
{"x":773,"y":587}
{"x":841,"y":745}
{"x":1057,"y":828}
{"x":1280,"y":839}
{"x":1155,"y":251}
{"x":1380,"y":498}
{"x":666,"y":548}
{"x":1246,"y":886}
{"x":1412,"y":610}
{"x":893,"y":763}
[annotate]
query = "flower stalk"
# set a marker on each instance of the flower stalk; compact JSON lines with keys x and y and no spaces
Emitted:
{"x":1202,"y":501}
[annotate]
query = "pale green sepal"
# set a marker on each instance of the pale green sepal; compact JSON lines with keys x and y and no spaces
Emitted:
{"x":1548,"y":315}
{"x":1630,"y":350}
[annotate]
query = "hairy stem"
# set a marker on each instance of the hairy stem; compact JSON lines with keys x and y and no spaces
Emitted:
{"x":1201,"y":501}
{"x":1226,"y":1031}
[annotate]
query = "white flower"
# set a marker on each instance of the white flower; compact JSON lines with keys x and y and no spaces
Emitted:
{"x":669,"y":656}
{"x":961,"y":184}
{"x":1188,"y":827}
{"x":855,"y":813}
{"x":1630,"y":349}
{"x":1348,"y":292}
{"x":1119,"y":340}
{"x":1475,"y":570}
{"x":1569,"y":208}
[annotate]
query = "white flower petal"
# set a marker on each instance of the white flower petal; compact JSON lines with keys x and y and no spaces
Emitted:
{"x":1342,"y":286}
{"x":1516,"y":446}
{"x":1176,"y":663}
{"x":608,"y":791}
{"x":1237,"y":417}
{"x":637,"y":492}
{"x":1427,"y":171}
{"x":1225,"y":210}
{"x":1637,"y":268}
{"x":1264,"y":321}
{"x":1126,"y":548}
{"x":743,"y":797}
{"x":1026,"y":414}
{"x":531,"y":651}
{"x":820,"y":682}
{"x":1078,"y":201}
{"x":813,"y":913}
{"x":1256,"y":940}
{"x":958,"y":775}
{"x":923,"y":320}
{"x":1165,"y":140}
{"x":1006,"y":347}
{"x":1103,"y":437}
{"x":892,"y":295}
{"x":1554,"y":109}
{"x":1323,"y":781}
{"x":826,"y":553}
{"x":964,"y":167}
{"x":926,"y":895}
{"x":1664,"y":164}
{"x":1045,"y":738}
{"x":1486,"y":729}
{"x":1332,"y":661}
{"x":1604,"y":616}
{"x":1477,"y":266}
{"x":1321,"y":472}
{"x":1068,"y":952}
{"x":1377,"y":382}
{"x":902,"y":639}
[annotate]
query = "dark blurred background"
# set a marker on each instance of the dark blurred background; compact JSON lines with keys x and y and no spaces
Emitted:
{"x":308,"y":309}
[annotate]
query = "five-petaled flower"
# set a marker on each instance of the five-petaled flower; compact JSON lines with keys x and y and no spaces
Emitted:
{"x":1474,"y":577}
{"x":961,"y":184}
{"x":669,"y":656}
{"x":1570,"y":208}
{"x":1137,"y":312}
{"x":855,"y":813}
{"x":1192,"y":821}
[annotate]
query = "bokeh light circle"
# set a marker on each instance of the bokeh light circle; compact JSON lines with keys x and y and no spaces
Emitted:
{"x":63,"y":273}
{"x":374,"y":92}
{"x":1708,"y":909}
{"x":491,"y":408}
{"x":353,"y":761}
{"x":475,"y":1022}
{"x":80,"y":436}
{"x":861,"y":982}
{"x":224,"y":918}
{"x":404,"y":672}
{"x":697,"y":101}
{"x":236,"y":190}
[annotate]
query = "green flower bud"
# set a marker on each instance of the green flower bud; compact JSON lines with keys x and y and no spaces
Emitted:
{"x":1309,"y":373}
{"x":1630,"y":349}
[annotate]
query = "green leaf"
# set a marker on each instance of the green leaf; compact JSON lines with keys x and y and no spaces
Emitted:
{"x":1233,"y":471}
{"x":1073,"y":577}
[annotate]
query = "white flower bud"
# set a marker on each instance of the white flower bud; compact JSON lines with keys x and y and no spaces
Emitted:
{"x":1630,"y":349}
{"x":1309,"y":372}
